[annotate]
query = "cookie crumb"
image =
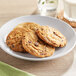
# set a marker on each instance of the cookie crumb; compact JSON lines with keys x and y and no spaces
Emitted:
{"x":29,"y":42}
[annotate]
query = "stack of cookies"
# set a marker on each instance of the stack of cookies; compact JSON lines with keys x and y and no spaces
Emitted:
{"x":37,"y":40}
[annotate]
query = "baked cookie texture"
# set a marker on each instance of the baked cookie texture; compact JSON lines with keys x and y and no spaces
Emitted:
{"x":51,"y":36}
{"x":37,"y":40}
{"x":35,"y":46}
{"x":14,"y":40}
{"x":29,"y":25}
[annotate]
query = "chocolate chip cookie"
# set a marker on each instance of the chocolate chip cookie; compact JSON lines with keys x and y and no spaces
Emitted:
{"x":14,"y":40}
{"x":51,"y":36}
{"x":29,"y":25}
{"x":36,"y":46}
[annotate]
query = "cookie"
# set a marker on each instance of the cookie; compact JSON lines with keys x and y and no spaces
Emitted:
{"x":51,"y":36}
{"x":29,"y":25}
{"x":14,"y":40}
{"x":35,"y":46}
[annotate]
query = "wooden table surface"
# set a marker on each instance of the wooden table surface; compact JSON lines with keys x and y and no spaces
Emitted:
{"x":64,"y":66}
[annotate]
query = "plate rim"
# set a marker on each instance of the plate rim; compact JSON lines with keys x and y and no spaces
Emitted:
{"x":34,"y":59}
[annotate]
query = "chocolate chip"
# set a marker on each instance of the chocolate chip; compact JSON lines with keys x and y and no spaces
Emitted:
{"x":41,"y":54}
{"x":37,"y":29}
{"x":12,"y":46}
{"x":56,"y":34}
{"x":23,"y":36}
{"x":60,"y":45}
{"x":29,"y":42}
{"x":26,"y":44}
{"x":36,"y":44}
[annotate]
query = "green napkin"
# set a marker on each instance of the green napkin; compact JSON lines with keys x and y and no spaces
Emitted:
{"x":7,"y":70}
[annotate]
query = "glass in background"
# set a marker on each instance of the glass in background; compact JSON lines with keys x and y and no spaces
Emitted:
{"x":70,"y":10}
{"x":47,"y":7}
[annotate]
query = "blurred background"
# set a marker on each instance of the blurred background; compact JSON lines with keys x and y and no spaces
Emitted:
{"x":13,"y":8}
{"x":19,"y":7}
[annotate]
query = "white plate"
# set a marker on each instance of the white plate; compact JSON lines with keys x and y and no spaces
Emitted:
{"x":63,"y":27}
